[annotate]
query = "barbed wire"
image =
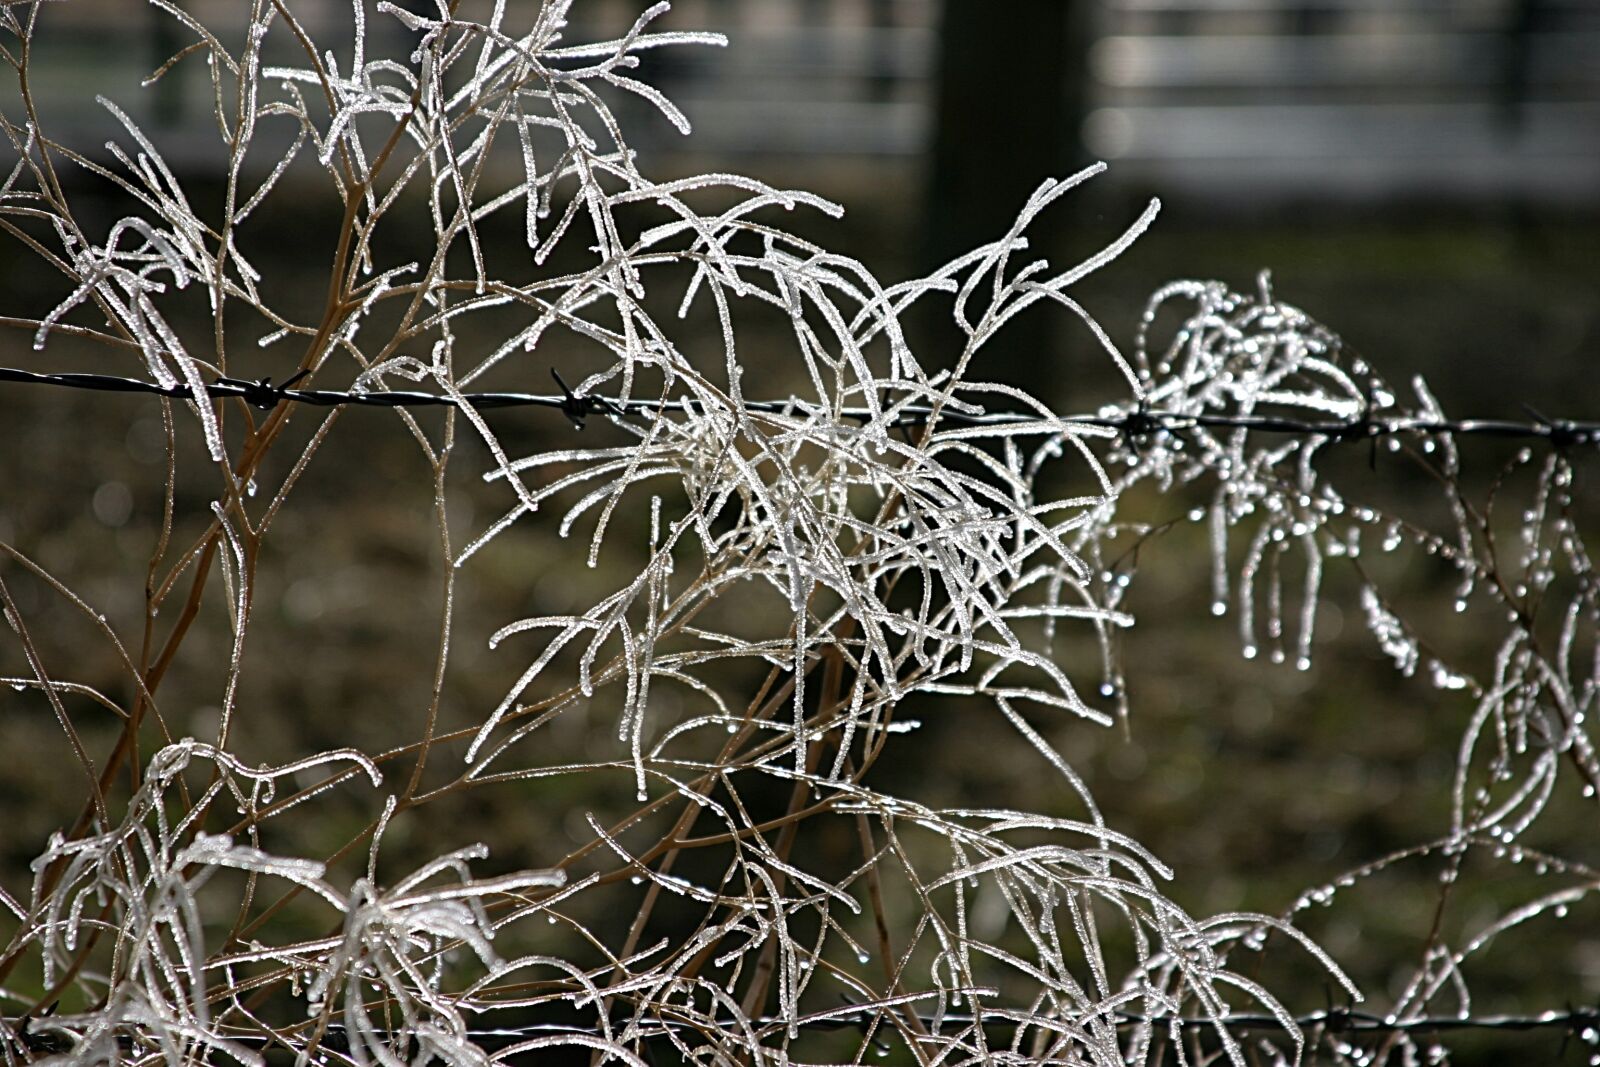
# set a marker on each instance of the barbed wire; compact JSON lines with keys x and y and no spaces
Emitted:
{"x":1138,"y":423}
{"x":1581,"y":1023}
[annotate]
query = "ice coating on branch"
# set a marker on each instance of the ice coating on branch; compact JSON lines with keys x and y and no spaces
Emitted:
{"x":1397,"y":642}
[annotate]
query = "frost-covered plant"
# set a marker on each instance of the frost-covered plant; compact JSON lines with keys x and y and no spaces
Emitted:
{"x":1242,"y":363}
{"x":810,"y":570}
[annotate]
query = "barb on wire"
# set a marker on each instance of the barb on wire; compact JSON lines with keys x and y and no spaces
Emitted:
{"x":577,"y":408}
{"x":1137,"y":424}
{"x":261,"y":394}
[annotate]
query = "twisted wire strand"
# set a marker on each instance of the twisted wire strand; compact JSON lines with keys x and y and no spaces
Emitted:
{"x":1582,"y":1023}
{"x":1137,"y":423}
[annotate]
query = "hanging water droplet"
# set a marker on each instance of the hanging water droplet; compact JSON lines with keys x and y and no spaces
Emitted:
{"x":1219,"y":607}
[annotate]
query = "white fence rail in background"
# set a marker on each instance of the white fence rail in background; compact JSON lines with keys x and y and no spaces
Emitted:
{"x":1250,"y":98}
{"x":1351,"y":98}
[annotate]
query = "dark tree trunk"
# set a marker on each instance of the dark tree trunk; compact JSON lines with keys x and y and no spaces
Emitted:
{"x":1007,"y":114}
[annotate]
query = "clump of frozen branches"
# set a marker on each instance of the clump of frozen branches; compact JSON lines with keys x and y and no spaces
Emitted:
{"x":801,"y":578}
{"x":1275,"y":518}
{"x":143,"y":887}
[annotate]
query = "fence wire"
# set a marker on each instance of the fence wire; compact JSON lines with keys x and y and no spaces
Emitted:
{"x":1137,"y":423}
{"x":1582,"y":1024}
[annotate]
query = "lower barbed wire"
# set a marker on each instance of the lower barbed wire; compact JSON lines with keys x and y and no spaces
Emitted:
{"x":625,"y":1029}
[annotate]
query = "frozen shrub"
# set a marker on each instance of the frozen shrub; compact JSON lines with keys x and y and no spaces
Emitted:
{"x":812,"y":569}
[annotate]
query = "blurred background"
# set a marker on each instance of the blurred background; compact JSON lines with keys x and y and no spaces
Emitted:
{"x":1423,"y":176}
